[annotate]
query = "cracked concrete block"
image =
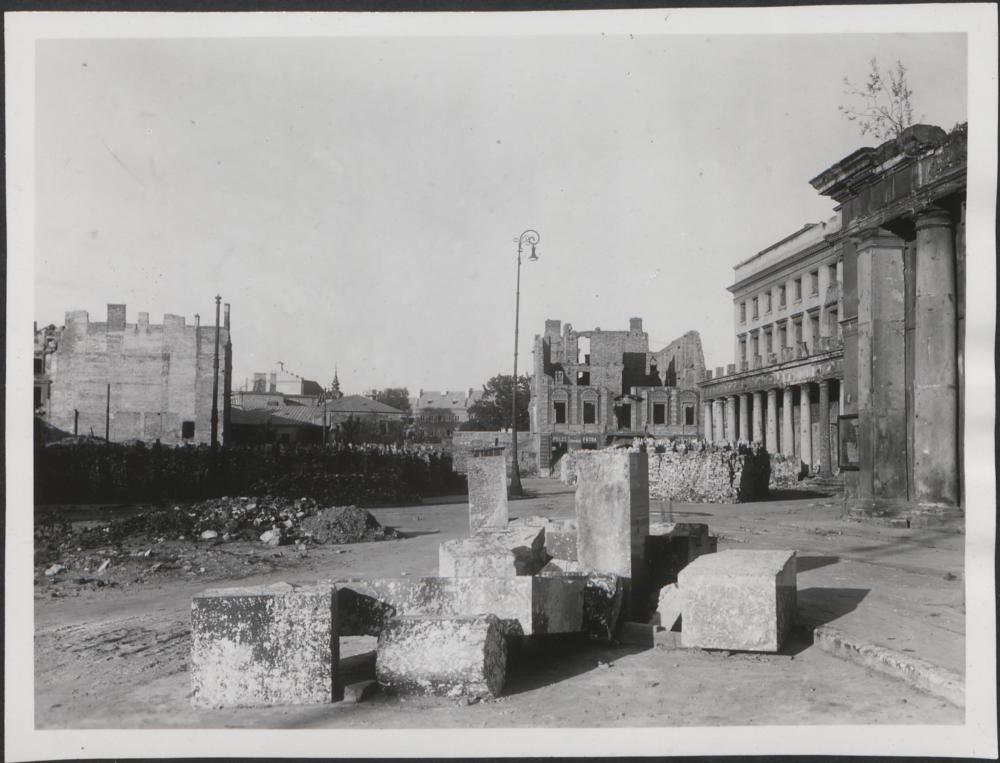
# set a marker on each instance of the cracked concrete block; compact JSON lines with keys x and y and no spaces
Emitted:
{"x":487,"y":477}
{"x":524,"y":604}
{"x":443,"y":656}
{"x":269,"y":645}
{"x":738,"y":600}
{"x":515,"y":551}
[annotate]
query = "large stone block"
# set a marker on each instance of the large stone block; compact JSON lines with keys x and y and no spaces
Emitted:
{"x":272,"y":645}
{"x":515,"y":551}
{"x":444,"y":656}
{"x":738,"y":600}
{"x":487,"y":476}
{"x":612,"y":512}
{"x":524,"y":604}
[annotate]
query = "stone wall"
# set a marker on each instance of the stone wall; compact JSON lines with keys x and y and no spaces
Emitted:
{"x":463,"y":443}
{"x":696,"y":474}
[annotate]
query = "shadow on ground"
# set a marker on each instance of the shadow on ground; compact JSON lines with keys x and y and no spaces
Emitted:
{"x":806,"y":563}
{"x":537,"y":661}
{"x":819,"y":606}
{"x":792,"y":494}
{"x":415,"y":533}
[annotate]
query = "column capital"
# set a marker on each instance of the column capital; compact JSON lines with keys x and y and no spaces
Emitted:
{"x":931,"y":216}
{"x":875,"y":238}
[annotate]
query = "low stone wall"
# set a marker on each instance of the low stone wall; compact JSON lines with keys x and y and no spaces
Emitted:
{"x":463,"y":443}
{"x":696,"y":473}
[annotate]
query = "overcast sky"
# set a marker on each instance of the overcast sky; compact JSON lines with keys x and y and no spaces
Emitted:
{"x":356,"y":199}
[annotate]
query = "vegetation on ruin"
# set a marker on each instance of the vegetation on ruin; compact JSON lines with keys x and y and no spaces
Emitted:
{"x":883,"y":107}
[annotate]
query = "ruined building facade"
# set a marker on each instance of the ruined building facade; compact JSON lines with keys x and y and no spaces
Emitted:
{"x":590,"y":387}
{"x":885,"y":393}
{"x":137,"y":381}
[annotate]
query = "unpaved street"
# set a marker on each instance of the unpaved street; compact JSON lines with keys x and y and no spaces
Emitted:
{"x":115,"y":656}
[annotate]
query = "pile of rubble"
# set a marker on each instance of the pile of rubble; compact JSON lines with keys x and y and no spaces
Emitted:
{"x":270,"y":519}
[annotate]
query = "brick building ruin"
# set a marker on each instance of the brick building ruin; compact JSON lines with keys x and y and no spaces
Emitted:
{"x":591,"y":387}
{"x":139,"y":380}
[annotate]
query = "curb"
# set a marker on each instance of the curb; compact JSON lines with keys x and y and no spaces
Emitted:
{"x":920,"y":674}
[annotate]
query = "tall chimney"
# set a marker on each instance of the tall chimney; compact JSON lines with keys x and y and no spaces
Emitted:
{"x":226,"y":313}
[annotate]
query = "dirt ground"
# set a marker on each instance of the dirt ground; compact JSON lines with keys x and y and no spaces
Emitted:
{"x":111,"y":647}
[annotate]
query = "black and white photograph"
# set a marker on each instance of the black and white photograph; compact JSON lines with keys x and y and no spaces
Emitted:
{"x":604,"y":382}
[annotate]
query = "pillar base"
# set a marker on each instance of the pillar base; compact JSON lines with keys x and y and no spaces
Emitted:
{"x":907,"y":514}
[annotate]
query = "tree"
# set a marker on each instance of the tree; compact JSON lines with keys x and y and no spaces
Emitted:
{"x":492,"y":411}
{"x":397,"y":397}
{"x":884,"y":107}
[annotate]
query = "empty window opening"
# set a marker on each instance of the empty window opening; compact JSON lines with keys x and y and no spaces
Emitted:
{"x":560,"y":409}
{"x":583,"y":350}
{"x":814,"y":282}
{"x":589,"y":413}
{"x":743,"y":312}
{"x":624,"y":416}
{"x":689,"y":415}
{"x":38,"y":365}
{"x":583,"y":378}
{"x":798,"y":288}
{"x":767,"y":302}
{"x":659,"y":413}
{"x":38,"y":397}
{"x":753,"y":309}
{"x":781,"y":295}
{"x":187,"y":429}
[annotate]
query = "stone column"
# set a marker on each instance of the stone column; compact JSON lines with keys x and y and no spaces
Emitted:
{"x":881,"y":369}
{"x":731,"y":418}
{"x":674,"y":406}
{"x":771,"y":441}
{"x":706,"y":420}
{"x":718,"y":425}
{"x":758,"y":417}
{"x":744,"y":416}
{"x":935,"y":377}
{"x":823,"y":445}
{"x":787,"y":433}
{"x":805,"y":426}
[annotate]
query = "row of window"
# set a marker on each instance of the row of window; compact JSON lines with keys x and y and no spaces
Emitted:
{"x":590,"y":413}
{"x":776,"y":336}
{"x":768,"y":296}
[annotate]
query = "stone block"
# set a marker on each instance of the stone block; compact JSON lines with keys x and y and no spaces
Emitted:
{"x":738,"y":600}
{"x":612,"y":511}
{"x":487,"y":477}
{"x":443,"y":656}
{"x":669,"y":608}
{"x":604,"y":597}
{"x":560,"y":535}
{"x":515,"y":551}
{"x":270,"y":645}
{"x":524,"y":604}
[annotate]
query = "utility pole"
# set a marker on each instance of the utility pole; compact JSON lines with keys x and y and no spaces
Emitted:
{"x":215,"y":379}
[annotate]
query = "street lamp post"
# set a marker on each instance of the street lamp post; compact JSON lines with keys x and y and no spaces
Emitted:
{"x":531,"y":238}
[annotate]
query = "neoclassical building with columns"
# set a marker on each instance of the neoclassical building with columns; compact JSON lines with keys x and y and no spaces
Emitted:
{"x":850,"y":333}
{"x":784,"y":389}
